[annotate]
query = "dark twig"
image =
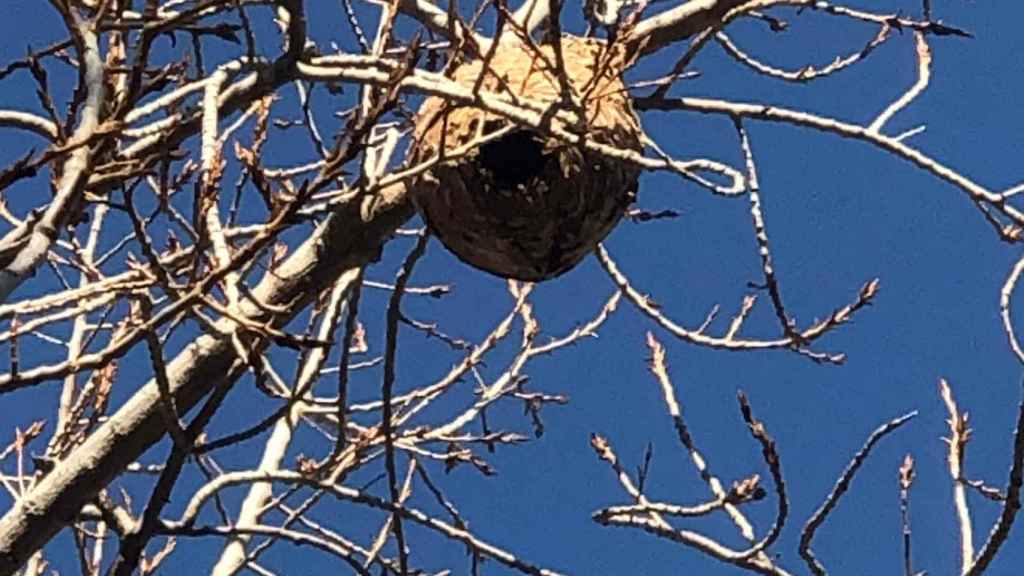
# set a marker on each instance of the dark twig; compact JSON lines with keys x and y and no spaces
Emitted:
{"x":249,"y":433}
{"x":431,"y":330}
{"x":133,"y":545}
{"x":353,"y":22}
{"x":771,"y":458}
{"x":906,"y":480}
{"x":390,"y":351}
{"x":351,"y":326}
{"x":168,"y":409}
{"x":448,"y":506}
{"x":761,"y":235}
{"x":840,"y":488}
{"x":755,"y":554}
{"x":1011,"y":506}
{"x":643,"y":469}
{"x":989,"y":492}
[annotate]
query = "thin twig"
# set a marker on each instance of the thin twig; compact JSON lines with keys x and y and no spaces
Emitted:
{"x":771,"y":458}
{"x":1004,"y":307}
{"x":761,"y":235}
{"x":390,"y":350}
{"x":807,"y":73}
{"x":959,"y":436}
{"x":1011,"y":506}
{"x":906,"y":480}
{"x":817,"y":520}
{"x":924,"y":73}
{"x":188,"y":518}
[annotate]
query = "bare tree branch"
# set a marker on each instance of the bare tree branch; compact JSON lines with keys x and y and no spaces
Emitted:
{"x":959,"y":435}
{"x":352,"y":236}
{"x":819,"y":517}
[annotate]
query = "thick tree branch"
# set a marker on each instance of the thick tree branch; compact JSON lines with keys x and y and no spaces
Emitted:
{"x":350,"y":238}
{"x":661,"y":30}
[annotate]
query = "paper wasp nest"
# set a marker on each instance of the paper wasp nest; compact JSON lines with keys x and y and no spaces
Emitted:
{"x":527,"y":206}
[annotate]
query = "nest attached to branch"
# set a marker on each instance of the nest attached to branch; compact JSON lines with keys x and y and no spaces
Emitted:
{"x":527,"y":205}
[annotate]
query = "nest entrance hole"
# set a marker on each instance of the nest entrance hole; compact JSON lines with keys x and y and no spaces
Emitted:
{"x":526,"y":205}
{"x":513,"y":160}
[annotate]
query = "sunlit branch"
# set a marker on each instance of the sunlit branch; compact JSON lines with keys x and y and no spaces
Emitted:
{"x":25,"y":247}
{"x":1005,"y":295}
{"x":755,"y":553}
{"x":28,"y":121}
{"x":924,"y":72}
{"x":769,"y":113}
{"x":201,"y":496}
{"x":730,"y":341}
{"x":233,"y":555}
{"x":761,"y":234}
{"x":654,"y":523}
{"x":808,"y":73}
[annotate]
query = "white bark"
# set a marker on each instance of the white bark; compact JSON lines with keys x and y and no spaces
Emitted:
{"x":349,"y":239}
{"x":658,"y":31}
{"x":233,"y":556}
{"x":25,"y":247}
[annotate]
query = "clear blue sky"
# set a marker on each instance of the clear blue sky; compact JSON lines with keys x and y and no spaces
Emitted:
{"x":838,"y":213}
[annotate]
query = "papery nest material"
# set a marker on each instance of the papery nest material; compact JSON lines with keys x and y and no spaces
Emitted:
{"x":528,"y":205}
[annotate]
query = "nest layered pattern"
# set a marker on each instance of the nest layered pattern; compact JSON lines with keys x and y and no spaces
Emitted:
{"x":528,"y":206}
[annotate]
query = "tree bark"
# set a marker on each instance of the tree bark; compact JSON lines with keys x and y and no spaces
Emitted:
{"x":350,"y":238}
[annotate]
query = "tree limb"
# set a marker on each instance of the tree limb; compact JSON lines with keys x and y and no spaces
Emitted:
{"x":350,"y":238}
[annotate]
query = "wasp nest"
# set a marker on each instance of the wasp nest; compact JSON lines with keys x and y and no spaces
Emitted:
{"x":527,"y":205}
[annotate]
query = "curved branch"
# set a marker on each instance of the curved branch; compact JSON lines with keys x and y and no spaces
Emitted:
{"x":1004,"y":308}
{"x":840,"y":488}
{"x":807,"y":73}
{"x":436,"y":19}
{"x":1011,"y":505}
{"x":350,"y":238}
{"x":798,"y":341}
{"x":661,"y":30}
{"x":28,"y":121}
{"x":657,"y":32}
{"x":924,"y":74}
{"x":24,"y":248}
{"x":345,"y":493}
{"x":233,"y":533}
{"x":975,"y":191}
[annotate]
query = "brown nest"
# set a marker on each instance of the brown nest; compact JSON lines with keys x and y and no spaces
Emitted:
{"x":526,"y":205}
